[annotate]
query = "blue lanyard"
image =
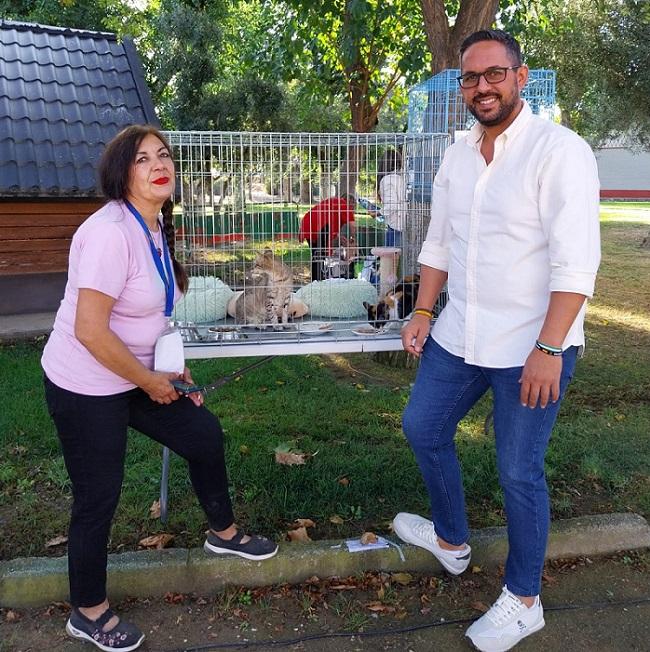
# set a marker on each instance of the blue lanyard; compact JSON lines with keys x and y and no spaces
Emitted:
{"x":167,"y":279}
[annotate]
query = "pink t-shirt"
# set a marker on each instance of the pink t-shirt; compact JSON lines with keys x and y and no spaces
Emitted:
{"x":110,"y":253}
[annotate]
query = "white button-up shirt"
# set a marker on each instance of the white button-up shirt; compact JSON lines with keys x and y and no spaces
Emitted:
{"x":510,"y":233}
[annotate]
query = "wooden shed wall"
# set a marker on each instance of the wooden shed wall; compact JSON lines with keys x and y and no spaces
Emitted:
{"x":35,"y":235}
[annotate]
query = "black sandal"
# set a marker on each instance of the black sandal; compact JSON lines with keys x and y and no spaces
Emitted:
{"x":124,"y":636}
{"x":257,"y":548}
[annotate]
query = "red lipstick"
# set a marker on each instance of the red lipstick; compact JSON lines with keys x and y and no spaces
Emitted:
{"x":161,"y":181}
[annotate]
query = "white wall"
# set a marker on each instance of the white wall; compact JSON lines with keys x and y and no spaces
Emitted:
{"x":621,"y":169}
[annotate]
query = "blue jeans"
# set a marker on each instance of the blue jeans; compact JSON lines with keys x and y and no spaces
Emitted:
{"x":393,"y":238}
{"x":445,"y":390}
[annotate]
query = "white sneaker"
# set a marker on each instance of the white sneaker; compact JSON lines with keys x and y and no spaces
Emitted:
{"x":420,"y":532}
{"x":506,"y":623}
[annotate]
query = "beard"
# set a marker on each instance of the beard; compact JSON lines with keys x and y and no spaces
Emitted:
{"x":503,"y":113}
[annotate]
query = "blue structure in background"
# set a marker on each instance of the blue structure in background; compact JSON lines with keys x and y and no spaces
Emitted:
{"x":436,"y":105}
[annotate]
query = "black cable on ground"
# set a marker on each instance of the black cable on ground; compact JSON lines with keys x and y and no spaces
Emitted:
{"x":391,"y":632}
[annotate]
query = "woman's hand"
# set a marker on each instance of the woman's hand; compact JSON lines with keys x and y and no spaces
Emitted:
{"x":415,"y":333}
{"x":159,"y":388}
{"x":195,"y":397}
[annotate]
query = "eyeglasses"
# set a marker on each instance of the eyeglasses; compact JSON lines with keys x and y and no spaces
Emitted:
{"x":493,"y":75}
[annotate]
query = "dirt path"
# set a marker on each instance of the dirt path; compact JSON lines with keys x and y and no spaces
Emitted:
{"x":373,"y":612}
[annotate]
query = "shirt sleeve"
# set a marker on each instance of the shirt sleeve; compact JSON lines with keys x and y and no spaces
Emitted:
{"x":435,"y":249}
{"x":569,"y":212}
{"x":103,"y":260}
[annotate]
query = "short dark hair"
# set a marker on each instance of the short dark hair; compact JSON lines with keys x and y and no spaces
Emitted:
{"x":117,"y":159}
{"x":507,"y":40}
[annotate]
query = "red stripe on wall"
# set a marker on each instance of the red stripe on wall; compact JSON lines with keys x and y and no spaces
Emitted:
{"x":625,"y":194}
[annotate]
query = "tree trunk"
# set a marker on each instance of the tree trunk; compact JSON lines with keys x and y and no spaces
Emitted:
{"x":444,"y":41}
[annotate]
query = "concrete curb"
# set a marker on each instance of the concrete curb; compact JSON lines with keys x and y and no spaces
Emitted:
{"x":25,"y":327}
{"x":31,"y":582}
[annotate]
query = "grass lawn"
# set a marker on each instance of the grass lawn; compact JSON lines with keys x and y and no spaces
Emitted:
{"x":345,"y":411}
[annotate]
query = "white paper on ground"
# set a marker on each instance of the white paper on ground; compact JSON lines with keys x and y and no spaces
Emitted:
{"x":355,"y":545}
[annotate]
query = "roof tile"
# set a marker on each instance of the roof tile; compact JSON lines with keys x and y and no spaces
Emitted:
{"x":64,"y":94}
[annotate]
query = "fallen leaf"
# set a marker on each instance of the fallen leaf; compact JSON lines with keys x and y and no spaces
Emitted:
{"x":476,"y":569}
{"x":379,"y":607}
{"x":244,"y":450}
{"x":299,"y":534}
{"x":336,"y":519}
{"x":304,"y":522}
{"x":173,"y":598}
{"x":368,"y":537}
{"x":480,"y":606}
{"x":402,"y":578}
{"x":345,"y":481}
{"x":57,"y":541}
{"x":290,"y":459}
{"x":154,"y":510}
{"x":157,"y":541}
{"x":548,"y":579}
{"x":12,"y":616}
{"x":280,"y":382}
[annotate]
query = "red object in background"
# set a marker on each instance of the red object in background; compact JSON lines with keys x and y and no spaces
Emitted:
{"x":333,"y":212}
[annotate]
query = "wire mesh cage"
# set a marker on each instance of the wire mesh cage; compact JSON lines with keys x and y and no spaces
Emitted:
{"x":287,"y":237}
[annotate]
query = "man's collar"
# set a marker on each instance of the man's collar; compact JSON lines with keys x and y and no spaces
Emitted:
{"x":476,"y":132}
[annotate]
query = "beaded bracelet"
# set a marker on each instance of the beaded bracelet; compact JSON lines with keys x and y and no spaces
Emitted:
{"x":548,"y":349}
{"x":423,"y":311}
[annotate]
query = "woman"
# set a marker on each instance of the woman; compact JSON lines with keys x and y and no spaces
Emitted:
{"x":99,"y":379}
{"x":391,"y":189}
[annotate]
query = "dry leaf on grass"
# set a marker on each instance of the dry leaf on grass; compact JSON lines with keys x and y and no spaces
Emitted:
{"x":379,"y":607}
{"x":12,"y":616}
{"x":368,"y":537}
{"x":299,"y":534}
{"x":336,"y":519}
{"x":304,"y":522}
{"x":57,"y":541}
{"x":154,"y":510}
{"x":344,"y":481}
{"x":284,"y":454}
{"x":402,"y":578}
{"x":157,"y":541}
{"x":480,"y":606}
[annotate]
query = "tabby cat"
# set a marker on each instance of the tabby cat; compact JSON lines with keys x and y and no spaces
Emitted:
{"x":265,"y":300}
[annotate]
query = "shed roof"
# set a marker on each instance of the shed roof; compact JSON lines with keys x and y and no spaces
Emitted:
{"x":64,"y":93}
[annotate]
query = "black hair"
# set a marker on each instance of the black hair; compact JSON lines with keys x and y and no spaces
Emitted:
{"x":114,"y":171}
{"x":507,"y":40}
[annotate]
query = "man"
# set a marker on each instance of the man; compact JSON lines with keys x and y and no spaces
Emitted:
{"x":514,"y":232}
{"x":322,"y":227}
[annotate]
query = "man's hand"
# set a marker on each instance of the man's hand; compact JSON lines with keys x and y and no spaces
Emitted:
{"x":415,"y":333}
{"x":540,"y":379}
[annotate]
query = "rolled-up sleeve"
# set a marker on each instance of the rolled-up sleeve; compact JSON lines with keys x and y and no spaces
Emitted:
{"x":569,"y":212}
{"x":435,"y":249}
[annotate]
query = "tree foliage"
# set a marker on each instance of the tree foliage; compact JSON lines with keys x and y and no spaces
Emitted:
{"x":360,"y":49}
{"x":599,"y":49}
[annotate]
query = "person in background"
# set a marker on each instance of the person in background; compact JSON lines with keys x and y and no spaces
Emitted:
{"x":391,"y":191}
{"x":327,"y":225}
{"x":514,"y":231}
{"x":123,"y":280}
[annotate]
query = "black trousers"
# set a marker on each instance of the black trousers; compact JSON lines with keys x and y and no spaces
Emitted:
{"x":92,"y":431}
